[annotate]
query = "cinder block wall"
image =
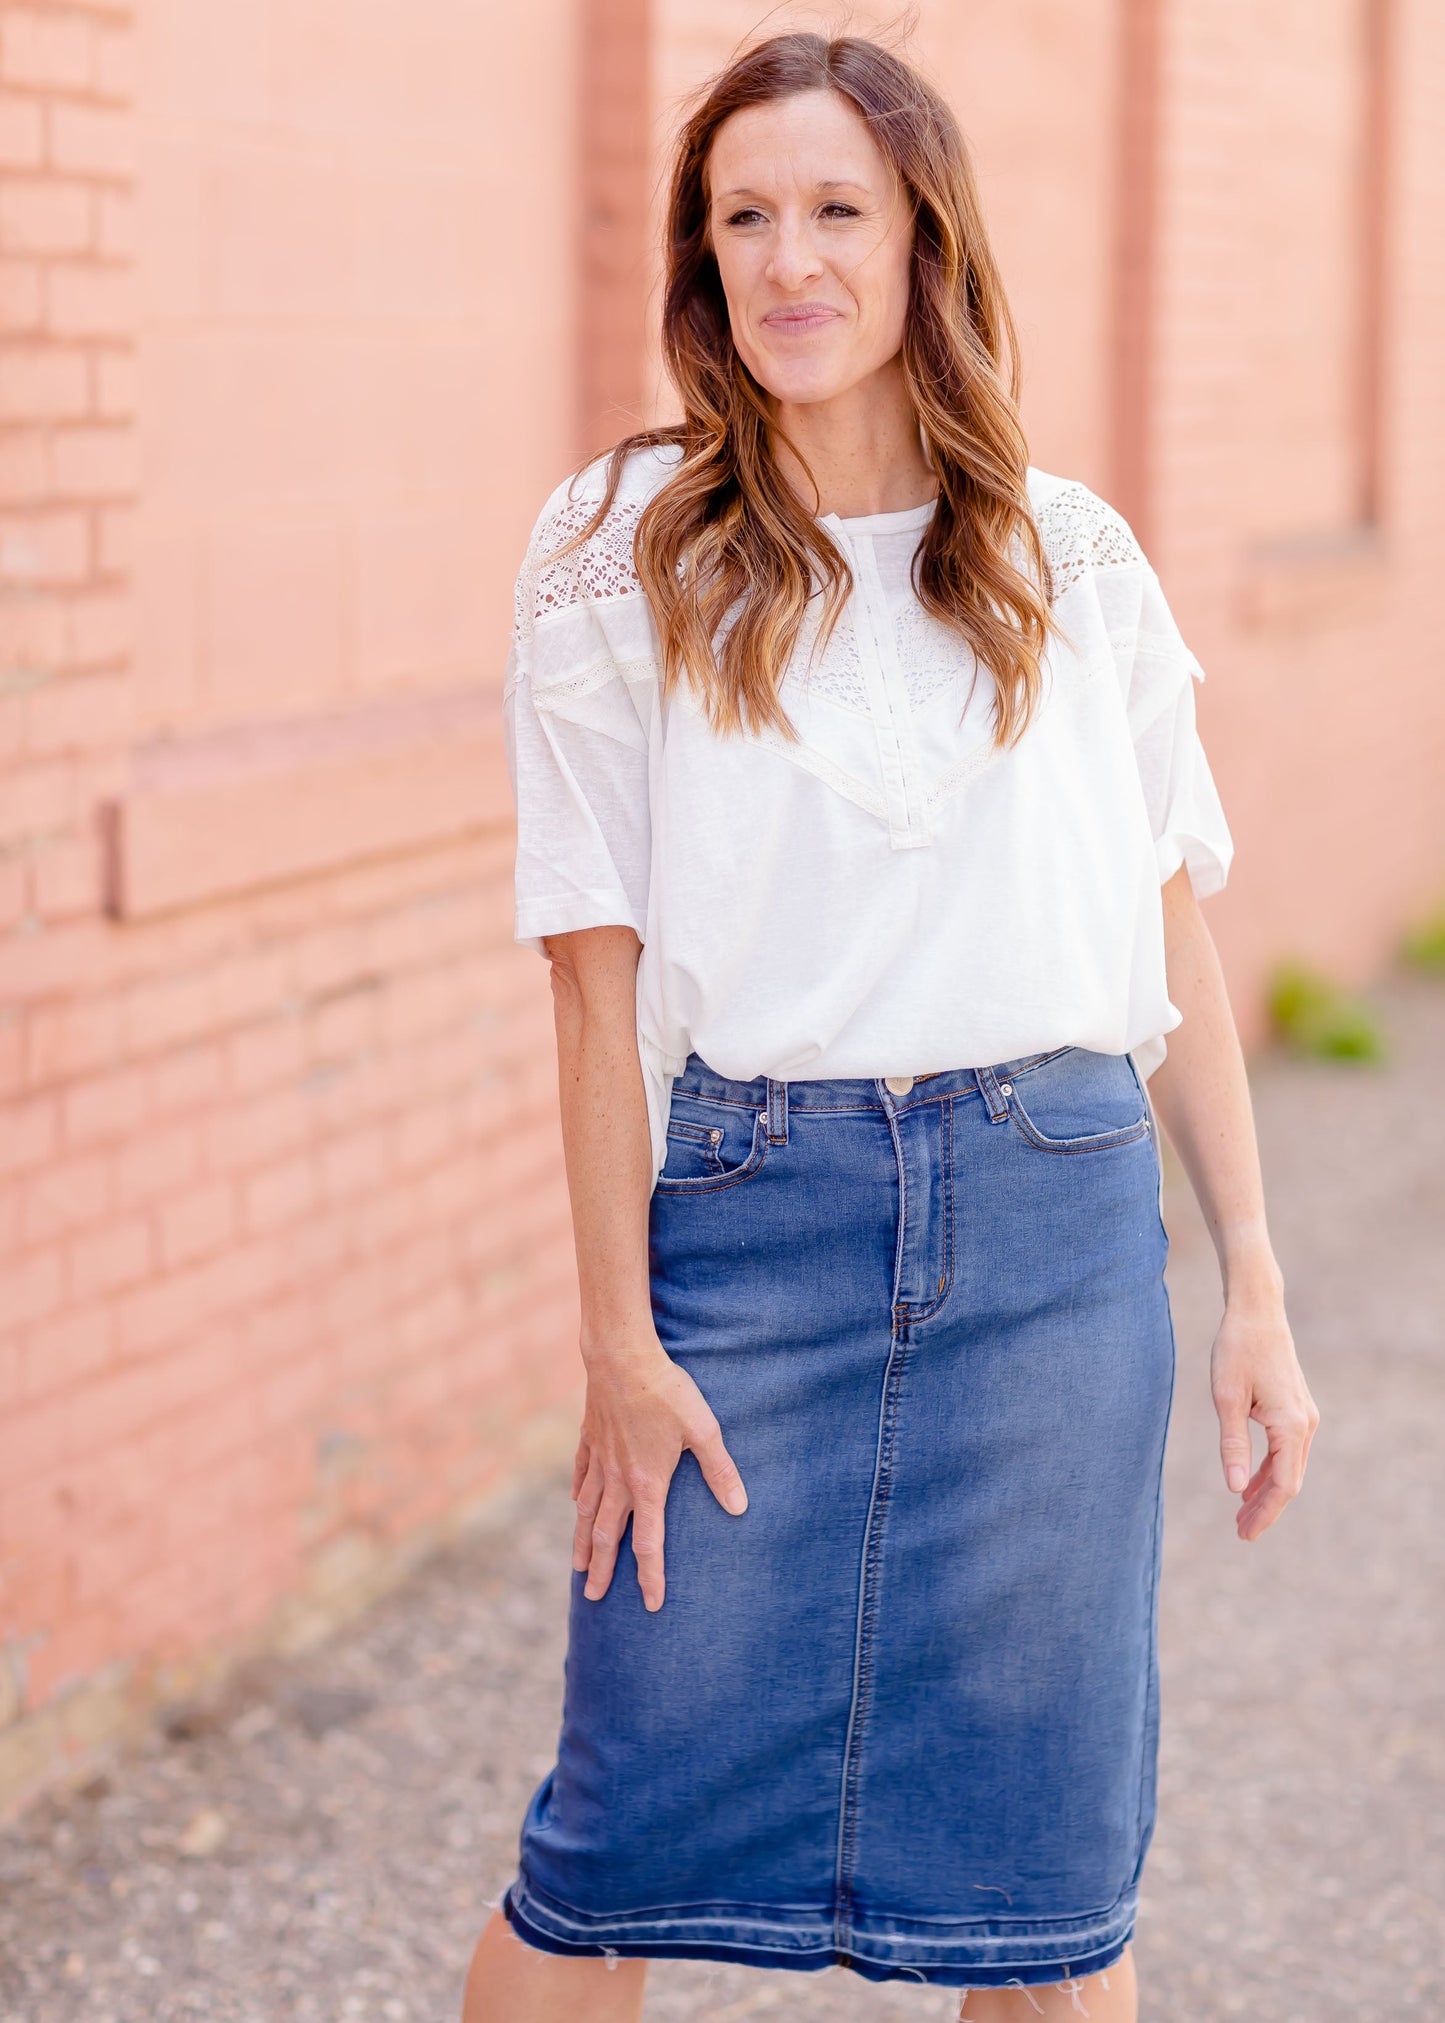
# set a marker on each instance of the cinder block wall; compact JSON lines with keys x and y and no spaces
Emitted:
{"x":303,"y":310}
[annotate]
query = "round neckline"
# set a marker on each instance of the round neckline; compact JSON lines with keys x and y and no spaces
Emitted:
{"x":904,"y":521}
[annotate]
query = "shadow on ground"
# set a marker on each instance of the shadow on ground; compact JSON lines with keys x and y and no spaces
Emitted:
{"x":327,"y":1847}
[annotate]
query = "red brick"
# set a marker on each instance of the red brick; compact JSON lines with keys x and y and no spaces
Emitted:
{"x":42,"y":382}
{"x":32,"y":640}
{"x":105,"y":1108}
{"x":237,"y":1140}
{"x":116,"y":390}
{"x":92,"y":140}
{"x":253,"y":986}
{"x":14,"y":892}
{"x":45,"y":46}
{"x":68,"y":956}
{"x":196,"y":1222}
{"x":34,"y":1442}
{"x":22,"y":132}
{"x":65,"y":878}
{"x":12,"y":1061}
{"x":89,"y":300}
{"x":45,"y":215}
{"x":112,"y":1408}
{"x":44,"y":547}
{"x":22,"y":297}
{"x":24,"y":466}
{"x":167,"y":1009}
{"x":260,"y":1056}
{"x":116,"y":1556}
{"x":115,"y":545}
{"x":187,"y":1079}
{"x":69,"y":1349}
{"x":80,"y":713}
{"x":100,"y":1261}
{"x":100,"y":629}
{"x":31,"y":1132}
{"x":158,"y":1162}
{"x":74,"y":1038}
{"x":116,"y":225}
{"x":12,"y":1380}
{"x":30,"y":1288}
{"x":115,"y":61}
{"x":95,"y":463}
{"x":173,"y":1309}
{"x":63,"y":1195}
{"x":353,"y":1165}
{"x":277,"y":1195}
{"x":39,"y":798}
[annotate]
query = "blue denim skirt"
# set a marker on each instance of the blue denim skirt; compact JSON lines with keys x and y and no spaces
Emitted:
{"x":902,"y":1715}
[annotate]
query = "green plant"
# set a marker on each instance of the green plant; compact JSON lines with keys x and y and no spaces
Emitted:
{"x":1314,"y":1016}
{"x":1424,"y":946}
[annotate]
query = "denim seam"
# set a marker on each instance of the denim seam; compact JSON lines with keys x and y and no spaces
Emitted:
{"x":903,"y":1313}
{"x":872,"y":1553}
{"x":750,"y":1168}
{"x":872,"y":1560}
{"x":1153,"y":1591}
{"x":1105,"y":1141}
{"x":994,"y":1927}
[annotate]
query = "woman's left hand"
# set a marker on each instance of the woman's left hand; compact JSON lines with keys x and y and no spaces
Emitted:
{"x":1254,"y":1373}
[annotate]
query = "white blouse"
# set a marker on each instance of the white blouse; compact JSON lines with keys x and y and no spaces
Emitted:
{"x":891,"y":895}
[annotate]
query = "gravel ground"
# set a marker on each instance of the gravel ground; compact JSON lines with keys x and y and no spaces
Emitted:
{"x":327,"y":1845}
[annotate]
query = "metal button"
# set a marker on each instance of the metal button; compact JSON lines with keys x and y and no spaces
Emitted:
{"x":1005,"y":1088}
{"x":898,"y":1085}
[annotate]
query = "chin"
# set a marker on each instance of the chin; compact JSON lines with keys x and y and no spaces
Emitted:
{"x":801,"y":386}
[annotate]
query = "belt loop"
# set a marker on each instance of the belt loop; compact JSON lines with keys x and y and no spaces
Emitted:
{"x":777,"y":1112}
{"x":992,"y":1094}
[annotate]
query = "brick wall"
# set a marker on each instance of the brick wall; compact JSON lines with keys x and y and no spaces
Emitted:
{"x":285,"y":1288}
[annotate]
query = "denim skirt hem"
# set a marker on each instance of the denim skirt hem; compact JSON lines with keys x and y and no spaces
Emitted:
{"x":901,"y":1715}
{"x":988,"y":1954}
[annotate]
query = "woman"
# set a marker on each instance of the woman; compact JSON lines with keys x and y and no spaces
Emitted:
{"x":860,"y":809}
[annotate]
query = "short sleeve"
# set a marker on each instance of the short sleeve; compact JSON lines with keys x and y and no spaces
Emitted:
{"x":576,"y":713}
{"x":1185,"y":812}
{"x":1157,"y":676}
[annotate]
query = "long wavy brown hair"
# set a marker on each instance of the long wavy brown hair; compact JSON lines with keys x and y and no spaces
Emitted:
{"x":726,"y":536}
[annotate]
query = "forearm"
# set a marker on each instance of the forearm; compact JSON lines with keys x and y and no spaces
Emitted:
{"x":608,"y":1156}
{"x":1201,"y":1093}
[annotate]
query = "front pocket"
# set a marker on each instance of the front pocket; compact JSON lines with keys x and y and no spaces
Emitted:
{"x":710,"y":1145}
{"x":1079,"y":1101}
{"x":694,"y":1141}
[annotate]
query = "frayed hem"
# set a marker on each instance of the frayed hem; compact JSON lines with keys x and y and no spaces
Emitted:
{"x":810,"y":1955}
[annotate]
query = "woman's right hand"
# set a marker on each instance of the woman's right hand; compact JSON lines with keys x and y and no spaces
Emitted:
{"x":643,"y":1410}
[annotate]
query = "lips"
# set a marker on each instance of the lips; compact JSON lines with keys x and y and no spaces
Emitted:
{"x":800,"y":317}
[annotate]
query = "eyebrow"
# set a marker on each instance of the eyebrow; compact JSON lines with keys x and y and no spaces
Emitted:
{"x":832,"y":183}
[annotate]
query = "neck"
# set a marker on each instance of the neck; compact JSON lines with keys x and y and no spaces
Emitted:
{"x":863,"y":449}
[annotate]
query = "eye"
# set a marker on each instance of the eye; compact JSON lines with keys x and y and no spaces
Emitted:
{"x":841,"y":210}
{"x":744,"y":217}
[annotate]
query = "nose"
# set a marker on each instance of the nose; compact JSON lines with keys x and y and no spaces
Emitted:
{"x":795,"y":258}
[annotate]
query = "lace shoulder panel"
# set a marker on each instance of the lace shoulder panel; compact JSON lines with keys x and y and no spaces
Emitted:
{"x":599,"y":571}
{"x":1082,"y":532}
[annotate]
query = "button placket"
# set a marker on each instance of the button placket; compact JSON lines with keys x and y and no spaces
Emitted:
{"x":886,"y":701}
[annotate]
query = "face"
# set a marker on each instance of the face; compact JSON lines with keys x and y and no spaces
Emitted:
{"x":813,"y":237}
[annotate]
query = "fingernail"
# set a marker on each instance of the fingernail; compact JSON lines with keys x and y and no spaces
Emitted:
{"x":1236,"y":1477}
{"x":738,"y":1502}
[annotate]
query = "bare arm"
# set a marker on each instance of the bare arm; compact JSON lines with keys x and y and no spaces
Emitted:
{"x":1201,"y":1093}
{"x":642,"y":1409}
